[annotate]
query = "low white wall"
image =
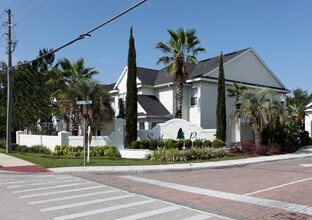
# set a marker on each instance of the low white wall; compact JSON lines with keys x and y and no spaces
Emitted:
{"x":114,"y":139}
{"x":134,"y":153}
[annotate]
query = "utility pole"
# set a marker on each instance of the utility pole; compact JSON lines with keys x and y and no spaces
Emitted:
{"x":9,"y":88}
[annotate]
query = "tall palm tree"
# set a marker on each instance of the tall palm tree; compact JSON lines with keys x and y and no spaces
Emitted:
{"x":260,"y":108}
{"x":76,"y":71}
{"x":182,"y":48}
{"x":67,"y":76}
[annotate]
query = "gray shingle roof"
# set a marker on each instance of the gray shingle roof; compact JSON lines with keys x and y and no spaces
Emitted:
{"x":152,"y":105}
{"x":147,"y":76}
{"x":155,"y":77}
{"x":205,"y":66}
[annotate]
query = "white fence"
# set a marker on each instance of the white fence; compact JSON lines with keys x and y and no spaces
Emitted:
{"x":116,"y":138}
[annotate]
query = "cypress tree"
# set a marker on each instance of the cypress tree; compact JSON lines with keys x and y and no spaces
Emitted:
{"x":131,"y":98}
{"x":221,"y":108}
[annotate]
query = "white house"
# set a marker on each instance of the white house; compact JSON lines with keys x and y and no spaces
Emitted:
{"x":308,"y":119}
{"x":156,"y":89}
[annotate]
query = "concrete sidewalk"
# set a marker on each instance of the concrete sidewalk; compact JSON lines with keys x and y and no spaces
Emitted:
{"x":10,"y":163}
{"x":13,"y":164}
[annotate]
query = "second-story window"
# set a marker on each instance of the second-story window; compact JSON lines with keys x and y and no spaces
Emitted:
{"x":193,"y":96}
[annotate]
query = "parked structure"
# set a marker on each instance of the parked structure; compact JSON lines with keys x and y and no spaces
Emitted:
{"x":156,"y":90}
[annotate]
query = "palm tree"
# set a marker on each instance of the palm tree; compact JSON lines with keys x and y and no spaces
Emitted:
{"x":236,"y":91}
{"x":181,"y":49}
{"x":260,"y":108}
{"x":67,"y":76}
{"x":76,"y":71}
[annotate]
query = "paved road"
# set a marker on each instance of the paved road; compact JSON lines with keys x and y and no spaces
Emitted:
{"x":58,"y":197}
{"x":275,"y":190}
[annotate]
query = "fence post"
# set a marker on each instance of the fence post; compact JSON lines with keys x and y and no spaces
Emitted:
{"x":64,"y":138}
{"x":18,"y":140}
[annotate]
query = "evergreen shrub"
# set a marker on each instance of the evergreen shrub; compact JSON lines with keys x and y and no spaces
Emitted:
{"x":135,"y":145}
{"x":188,"y":144}
{"x":207,"y":143}
{"x":217,"y":143}
{"x":197,"y":143}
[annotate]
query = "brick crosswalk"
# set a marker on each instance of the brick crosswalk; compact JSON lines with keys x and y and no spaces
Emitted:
{"x":61,"y":197}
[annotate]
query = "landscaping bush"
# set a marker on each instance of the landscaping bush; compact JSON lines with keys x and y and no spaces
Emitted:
{"x":207,"y":143}
{"x":160,"y":144}
{"x":197,"y":143}
{"x":188,"y":144}
{"x":21,"y":148}
{"x":73,"y":151}
{"x":168,"y":155}
{"x":153,"y":144}
{"x":217,"y":143}
{"x":170,"y":144}
{"x":174,"y":155}
{"x":111,"y":151}
{"x":144,"y":144}
{"x":135,"y":145}
{"x":98,"y":151}
{"x":180,"y":144}
{"x":59,"y":150}
{"x":37,"y":149}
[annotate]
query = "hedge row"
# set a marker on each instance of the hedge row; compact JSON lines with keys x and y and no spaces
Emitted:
{"x":73,"y":151}
{"x":175,"y":155}
{"x":176,"y":144}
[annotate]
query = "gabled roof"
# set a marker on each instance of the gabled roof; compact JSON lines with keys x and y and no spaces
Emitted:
{"x":147,"y":76}
{"x":152,"y":105}
{"x":203,"y":70}
{"x":206,"y":66}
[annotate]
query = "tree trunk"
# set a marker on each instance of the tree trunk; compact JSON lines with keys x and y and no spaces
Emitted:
{"x":258,"y":138}
{"x":179,"y":100}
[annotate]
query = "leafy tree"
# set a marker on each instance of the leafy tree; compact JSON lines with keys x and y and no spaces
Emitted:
{"x":299,"y":97}
{"x":221,"y":107}
{"x":181,"y":49}
{"x":260,"y":108}
{"x":3,"y":68}
{"x":131,"y":98}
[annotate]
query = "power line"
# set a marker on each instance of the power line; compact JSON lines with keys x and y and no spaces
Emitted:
{"x":11,"y":3}
{"x":82,"y":36}
{"x":31,"y":13}
{"x":17,"y":11}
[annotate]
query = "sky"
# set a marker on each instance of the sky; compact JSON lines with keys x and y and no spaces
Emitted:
{"x":280,"y":32}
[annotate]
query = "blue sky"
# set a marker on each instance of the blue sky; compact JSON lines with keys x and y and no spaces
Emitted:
{"x":278,"y":30}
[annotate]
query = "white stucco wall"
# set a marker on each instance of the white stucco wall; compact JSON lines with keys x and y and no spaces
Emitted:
{"x":308,"y":121}
{"x":165,"y":95}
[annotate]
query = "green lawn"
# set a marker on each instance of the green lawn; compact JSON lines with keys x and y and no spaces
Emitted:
{"x":51,"y":161}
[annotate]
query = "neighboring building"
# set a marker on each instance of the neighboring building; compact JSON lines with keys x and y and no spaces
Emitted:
{"x":156,"y":89}
{"x":308,"y":119}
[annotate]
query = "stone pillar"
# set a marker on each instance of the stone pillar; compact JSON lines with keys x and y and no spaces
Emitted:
{"x":63,"y":137}
{"x":18,"y":140}
{"x":119,"y":133}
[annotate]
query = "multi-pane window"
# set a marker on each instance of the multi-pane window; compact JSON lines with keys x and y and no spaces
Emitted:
{"x":193,"y":96}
